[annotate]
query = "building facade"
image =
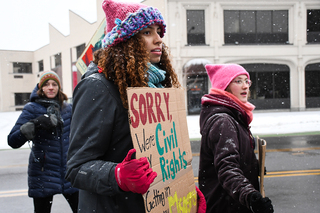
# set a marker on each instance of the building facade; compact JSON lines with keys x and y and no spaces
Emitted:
{"x":278,"y":42}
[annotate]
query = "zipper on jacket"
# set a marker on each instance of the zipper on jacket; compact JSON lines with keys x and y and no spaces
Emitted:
{"x":42,"y":164}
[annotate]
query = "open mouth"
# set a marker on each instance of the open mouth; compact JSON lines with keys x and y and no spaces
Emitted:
{"x":158,"y":50}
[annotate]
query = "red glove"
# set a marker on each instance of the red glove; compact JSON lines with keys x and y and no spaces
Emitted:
{"x":134,"y":175}
{"x":202,"y":205}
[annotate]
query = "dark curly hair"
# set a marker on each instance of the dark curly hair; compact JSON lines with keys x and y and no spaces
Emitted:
{"x":126,"y":65}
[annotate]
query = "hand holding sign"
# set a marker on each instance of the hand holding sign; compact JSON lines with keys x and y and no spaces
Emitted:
{"x":134,"y":175}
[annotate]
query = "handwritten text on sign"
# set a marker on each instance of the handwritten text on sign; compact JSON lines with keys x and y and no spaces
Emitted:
{"x":159,"y":132}
{"x":142,"y":111}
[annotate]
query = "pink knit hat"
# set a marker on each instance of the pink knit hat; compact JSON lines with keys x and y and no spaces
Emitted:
{"x":125,"y":19}
{"x":221,"y":75}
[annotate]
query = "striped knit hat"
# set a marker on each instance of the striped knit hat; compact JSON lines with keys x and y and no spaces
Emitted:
{"x":49,"y":75}
{"x":124,"y":20}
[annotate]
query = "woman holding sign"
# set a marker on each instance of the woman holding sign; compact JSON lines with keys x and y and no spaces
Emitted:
{"x":101,"y":160}
{"x":228,"y":172}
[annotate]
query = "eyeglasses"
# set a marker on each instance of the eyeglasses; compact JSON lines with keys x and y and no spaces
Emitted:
{"x":240,"y":82}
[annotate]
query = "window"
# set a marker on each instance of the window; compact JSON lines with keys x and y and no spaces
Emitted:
{"x":80,"y":50}
{"x":58,"y":65}
{"x":196,"y":82}
{"x":197,"y":86}
{"x":270,"y":85}
{"x":312,"y":79}
{"x":21,"y":98}
{"x":22,"y":67}
{"x":57,"y":59}
{"x":313,"y":26}
{"x":256,"y":27}
{"x":40,"y":64}
{"x":196,"y":27}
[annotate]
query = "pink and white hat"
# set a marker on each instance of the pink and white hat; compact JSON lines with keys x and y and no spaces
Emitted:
{"x":124,"y":20}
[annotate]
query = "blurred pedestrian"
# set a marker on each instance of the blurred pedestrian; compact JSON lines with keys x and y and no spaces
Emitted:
{"x":45,"y":124}
{"x":228,"y":171}
{"x":101,"y":160}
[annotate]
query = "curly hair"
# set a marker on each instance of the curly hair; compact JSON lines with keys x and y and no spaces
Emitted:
{"x":126,"y":65}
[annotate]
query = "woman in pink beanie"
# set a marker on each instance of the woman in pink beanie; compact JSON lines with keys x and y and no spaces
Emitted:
{"x":228,"y":171}
{"x":101,"y":160}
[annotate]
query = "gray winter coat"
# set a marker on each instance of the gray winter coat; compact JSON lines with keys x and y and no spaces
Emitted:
{"x":100,"y":138}
{"x":228,"y":170}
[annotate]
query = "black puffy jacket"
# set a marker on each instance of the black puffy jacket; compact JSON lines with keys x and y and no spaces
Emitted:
{"x":48,"y":157}
{"x":100,"y":138}
{"x":228,"y":170}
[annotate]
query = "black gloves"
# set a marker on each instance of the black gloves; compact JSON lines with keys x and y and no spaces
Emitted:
{"x":45,"y":121}
{"x":258,"y":204}
{"x":28,"y":130}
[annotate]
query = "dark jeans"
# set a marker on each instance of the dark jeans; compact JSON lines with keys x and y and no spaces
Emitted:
{"x":43,"y":204}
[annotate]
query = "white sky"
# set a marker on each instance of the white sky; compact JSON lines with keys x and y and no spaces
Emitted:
{"x":25,"y":23}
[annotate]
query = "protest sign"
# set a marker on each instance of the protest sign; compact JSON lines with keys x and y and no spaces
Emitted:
{"x":94,"y":44}
{"x":159,"y":132}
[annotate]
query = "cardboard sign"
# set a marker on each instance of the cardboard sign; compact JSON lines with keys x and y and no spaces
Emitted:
{"x":159,"y":132}
{"x":94,"y":44}
{"x":262,"y":146}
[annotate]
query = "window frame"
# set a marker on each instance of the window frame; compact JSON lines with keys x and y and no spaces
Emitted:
{"x":205,"y":8}
{"x":189,"y":42}
{"x":255,"y":37}
{"x":312,"y":99}
{"x":78,"y":51}
{"x":13,"y":68}
{"x":307,"y":37}
{"x":39,"y":67}
{"x":27,"y":94}
{"x":264,"y":102}
{"x":290,"y":7}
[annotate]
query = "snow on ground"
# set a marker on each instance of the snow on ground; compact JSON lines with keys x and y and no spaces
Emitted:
{"x":263,"y":124}
{"x":268,"y":123}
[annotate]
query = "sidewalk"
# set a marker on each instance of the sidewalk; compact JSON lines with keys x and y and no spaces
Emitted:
{"x":264,"y":123}
{"x":271,"y":123}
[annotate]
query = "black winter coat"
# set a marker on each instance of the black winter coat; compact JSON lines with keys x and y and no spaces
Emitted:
{"x":48,"y":157}
{"x":100,"y":138}
{"x":228,"y":170}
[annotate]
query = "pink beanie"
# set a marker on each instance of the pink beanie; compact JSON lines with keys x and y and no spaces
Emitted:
{"x":125,"y":19}
{"x":221,"y":75}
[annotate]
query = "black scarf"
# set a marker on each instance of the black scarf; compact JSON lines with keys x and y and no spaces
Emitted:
{"x":53,"y":108}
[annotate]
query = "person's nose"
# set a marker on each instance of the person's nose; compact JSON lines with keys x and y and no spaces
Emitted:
{"x":245,"y":85}
{"x":157,"y":39}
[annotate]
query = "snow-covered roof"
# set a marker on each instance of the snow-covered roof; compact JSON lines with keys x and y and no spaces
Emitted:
{"x":196,"y":61}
